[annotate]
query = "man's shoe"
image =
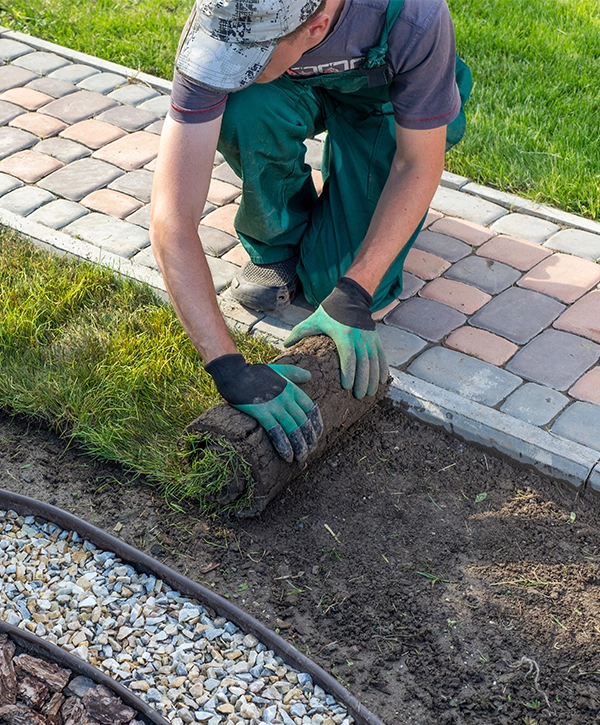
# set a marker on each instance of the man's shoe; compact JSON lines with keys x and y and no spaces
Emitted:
{"x":266,"y":287}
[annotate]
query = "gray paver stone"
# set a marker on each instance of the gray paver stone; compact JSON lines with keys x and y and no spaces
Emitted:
{"x":314,"y":153}
{"x":594,"y":479}
{"x":102,"y":82}
{"x":426,"y":318}
{"x":78,"y":106}
{"x":80,"y":178}
{"x":74,"y":73}
{"x":525,"y":226}
{"x":52,"y":86}
{"x":556,"y":359}
{"x":577,"y":242}
{"x":486,"y":274}
{"x":10,"y":49}
{"x":581,"y":423}
{"x":63,"y":149}
{"x":224,"y":172}
{"x":155,"y":127}
{"x":8,"y":183}
{"x":517,"y":314}
{"x":411,"y":284}
{"x":536,"y":404}
{"x":112,"y":235}
{"x":24,"y":200}
{"x":58,"y":214}
{"x":136,"y":183}
{"x":400,"y":346}
{"x":141,"y":217}
{"x":453,"y":181}
{"x":8,"y":111}
{"x":146,"y":257}
{"x":237,"y":316}
{"x":41,"y":62}
{"x":129,"y":118}
{"x":465,"y":206}
{"x":443,"y":246}
{"x":12,"y":77}
{"x":222,"y":272}
{"x":464,"y":375}
{"x":133,"y":94}
{"x":216,"y":242}
{"x":15,"y":139}
{"x":158,"y":106}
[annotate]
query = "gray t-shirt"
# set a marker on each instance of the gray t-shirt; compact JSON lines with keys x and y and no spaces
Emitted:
{"x":421,"y":58}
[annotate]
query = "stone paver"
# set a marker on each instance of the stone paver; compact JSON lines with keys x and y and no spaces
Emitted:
{"x":222,"y":272}
{"x":113,"y":235}
{"x":481,"y":344}
{"x":556,"y":359}
{"x":8,"y":183}
{"x":78,"y":106}
{"x":102,"y":82}
{"x":517,"y":253}
{"x":25,"y":200}
{"x":411,"y":284}
{"x":465,"y":206}
{"x":525,"y":226}
{"x":93,"y":133}
{"x":224,"y":172}
{"x":562,"y":276}
{"x":30,"y":166}
{"x":11,"y":76}
{"x":215,"y":242}
{"x":535,"y":404}
{"x":582,"y":318}
{"x":52,"y":86}
{"x":42,"y":126}
{"x":588,"y":387}
{"x":111,"y":202}
{"x":41,"y":62}
{"x":129,"y":118}
{"x":155,"y":127}
{"x":575,"y":241}
{"x":400,"y":346}
{"x":74,"y":73}
{"x":62,"y":149}
{"x":237,"y":255}
{"x":133,"y":94}
{"x":80,"y":178}
{"x":517,"y":314}
{"x":8,"y":111}
{"x":14,"y":139}
{"x":29,"y":99}
{"x":141,"y":217}
{"x":442,"y":245}
{"x":135,"y":183}
{"x":146,"y":257}
{"x":490,"y":276}
{"x":464,"y":375}
{"x":222,"y":219}
{"x":425,"y":265}
{"x":581,"y":423}
{"x":426,"y":318}
{"x":158,"y":106}
{"x":10,"y":49}
{"x":221,"y":193}
{"x":463,"y":297}
{"x":58,"y":214}
{"x":130,"y":152}
{"x":469,"y":232}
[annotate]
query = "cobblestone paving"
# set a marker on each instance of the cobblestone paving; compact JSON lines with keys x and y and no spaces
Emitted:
{"x":496,"y":337}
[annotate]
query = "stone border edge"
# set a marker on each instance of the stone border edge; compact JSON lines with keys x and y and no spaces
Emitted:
{"x":502,"y":433}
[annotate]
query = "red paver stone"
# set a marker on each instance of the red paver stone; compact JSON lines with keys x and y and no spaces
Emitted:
{"x":432,"y":216}
{"x":78,"y":106}
{"x":517,"y":252}
{"x":562,"y":276}
{"x":30,"y":166}
{"x":93,"y":133}
{"x":582,"y":318}
{"x":111,"y":202}
{"x":463,"y":297}
{"x":222,"y":219}
{"x":131,"y":151}
{"x":221,"y":193}
{"x":466,"y":231}
{"x":238,"y":255}
{"x":483,"y":345}
{"x":424,"y":264}
{"x":42,"y":126}
{"x":588,"y":387}
{"x":26,"y":98}
{"x":152,"y":165}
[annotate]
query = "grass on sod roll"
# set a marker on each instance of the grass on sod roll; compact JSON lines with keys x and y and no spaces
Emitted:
{"x":532,"y":118}
{"x":106,"y":363}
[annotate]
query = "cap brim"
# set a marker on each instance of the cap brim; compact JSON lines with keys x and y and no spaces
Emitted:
{"x":223,"y":66}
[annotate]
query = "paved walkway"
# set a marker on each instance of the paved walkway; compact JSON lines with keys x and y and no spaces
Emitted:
{"x":497,"y":338}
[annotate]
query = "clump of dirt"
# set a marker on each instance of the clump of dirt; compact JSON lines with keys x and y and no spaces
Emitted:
{"x":439,"y":583}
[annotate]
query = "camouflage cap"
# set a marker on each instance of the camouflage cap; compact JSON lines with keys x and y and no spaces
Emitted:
{"x":229,"y":42}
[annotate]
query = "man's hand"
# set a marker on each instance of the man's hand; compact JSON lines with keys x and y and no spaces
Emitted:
{"x":269,"y":394}
{"x":346,"y":318}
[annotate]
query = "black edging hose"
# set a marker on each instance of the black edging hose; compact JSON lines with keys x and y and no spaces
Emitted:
{"x":26,"y":506}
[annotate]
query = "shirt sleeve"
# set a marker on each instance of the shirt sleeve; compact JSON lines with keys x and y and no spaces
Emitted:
{"x":423,"y":91}
{"x":194,"y":103}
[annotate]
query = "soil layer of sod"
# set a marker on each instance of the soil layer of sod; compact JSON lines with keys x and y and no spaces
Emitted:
{"x":439,"y":583}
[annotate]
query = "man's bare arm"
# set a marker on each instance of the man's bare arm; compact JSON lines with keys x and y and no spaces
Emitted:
{"x":179,"y":191}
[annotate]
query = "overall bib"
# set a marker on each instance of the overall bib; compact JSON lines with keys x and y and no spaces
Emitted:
{"x":280,"y":214}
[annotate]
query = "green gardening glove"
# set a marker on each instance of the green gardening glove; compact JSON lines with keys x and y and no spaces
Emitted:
{"x":345,"y":316}
{"x":269,"y":394}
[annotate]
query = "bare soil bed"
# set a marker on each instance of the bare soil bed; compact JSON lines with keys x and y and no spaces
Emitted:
{"x":439,"y":583}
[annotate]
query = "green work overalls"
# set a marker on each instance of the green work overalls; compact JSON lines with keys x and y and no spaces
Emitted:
{"x":280,"y":214}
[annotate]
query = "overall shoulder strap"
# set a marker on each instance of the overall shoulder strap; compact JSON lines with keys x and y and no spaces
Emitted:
{"x":376,"y":55}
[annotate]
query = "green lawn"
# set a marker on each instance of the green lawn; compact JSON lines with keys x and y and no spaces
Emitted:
{"x":533,"y":117}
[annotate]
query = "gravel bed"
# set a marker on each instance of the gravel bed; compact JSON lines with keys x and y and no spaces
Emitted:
{"x":165,"y":647}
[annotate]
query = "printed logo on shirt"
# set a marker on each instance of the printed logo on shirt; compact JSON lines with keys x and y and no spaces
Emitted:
{"x":337,"y":66}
